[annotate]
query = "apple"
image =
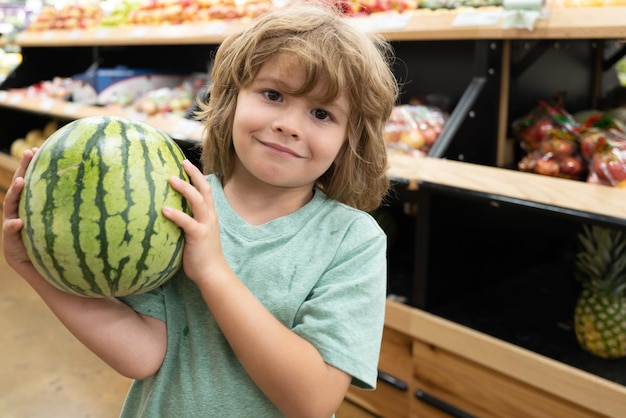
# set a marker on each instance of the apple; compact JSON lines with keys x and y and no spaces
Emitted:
{"x":430,"y":135}
{"x":557,"y":147}
{"x":547,"y":167}
{"x":590,"y":143}
{"x":570,"y":166}
{"x":616,"y":169}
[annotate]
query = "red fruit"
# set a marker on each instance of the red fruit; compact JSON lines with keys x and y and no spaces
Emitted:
{"x":557,"y":147}
{"x":610,"y":167}
{"x":546,"y":167}
{"x":589,"y":144}
{"x":570,"y":166}
{"x":430,"y":136}
{"x":616,"y":170}
{"x":598,"y":168}
{"x":541,"y":128}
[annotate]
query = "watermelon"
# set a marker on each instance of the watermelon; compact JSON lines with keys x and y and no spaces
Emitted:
{"x":91,"y":207}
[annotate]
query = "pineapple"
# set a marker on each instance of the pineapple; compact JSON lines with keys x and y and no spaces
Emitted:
{"x":600,"y":313}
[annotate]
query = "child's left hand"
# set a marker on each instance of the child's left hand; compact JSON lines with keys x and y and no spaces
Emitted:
{"x":203,"y":254}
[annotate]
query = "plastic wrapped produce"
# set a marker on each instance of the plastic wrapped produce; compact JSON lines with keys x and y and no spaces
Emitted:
{"x":540,"y":122}
{"x":605,"y":151}
{"x":558,"y":155}
{"x":413,"y":129}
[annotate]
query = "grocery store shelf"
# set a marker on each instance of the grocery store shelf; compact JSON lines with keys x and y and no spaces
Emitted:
{"x":520,"y":364}
{"x":573,"y":23}
{"x":191,"y":33}
{"x":555,"y":194}
{"x":175,"y":126}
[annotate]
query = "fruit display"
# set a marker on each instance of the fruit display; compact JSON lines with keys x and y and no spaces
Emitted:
{"x":456,"y":4}
{"x":541,"y":121}
{"x":165,"y":100}
{"x":92,"y":220}
{"x":78,"y":15}
{"x":365,"y":7}
{"x":33,"y":138}
{"x":600,"y":312}
{"x":605,"y":152}
{"x":174,"y":12}
{"x":150,"y":94}
{"x":557,"y":155}
{"x":175,"y":100}
{"x":413,"y":129}
{"x":590,"y":147}
{"x":119,"y":13}
{"x":73,"y":16}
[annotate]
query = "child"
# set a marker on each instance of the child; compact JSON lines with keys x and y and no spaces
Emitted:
{"x":281,"y":303}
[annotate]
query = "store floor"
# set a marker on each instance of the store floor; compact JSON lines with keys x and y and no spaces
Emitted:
{"x":46,"y":373}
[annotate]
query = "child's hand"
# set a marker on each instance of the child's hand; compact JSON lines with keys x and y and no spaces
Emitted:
{"x":203,"y":249}
{"x":12,"y":244}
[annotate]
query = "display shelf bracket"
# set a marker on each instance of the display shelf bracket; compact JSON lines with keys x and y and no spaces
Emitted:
{"x":531,"y":56}
{"x":609,"y":62}
{"x":468,"y":99}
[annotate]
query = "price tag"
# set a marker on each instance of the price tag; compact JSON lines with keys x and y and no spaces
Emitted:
{"x":214,"y":28}
{"x":477,"y":19}
{"x":101,"y":33}
{"x":390,"y":22}
{"x":71,"y":109}
{"x":380,"y":23}
{"x":15,"y":98}
{"x":179,"y":31}
{"x":46,"y":105}
{"x":75,"y":34}
{"x":139,"y":32}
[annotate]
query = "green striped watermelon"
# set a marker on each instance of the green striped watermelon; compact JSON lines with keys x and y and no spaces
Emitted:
{"x":91,"y":207}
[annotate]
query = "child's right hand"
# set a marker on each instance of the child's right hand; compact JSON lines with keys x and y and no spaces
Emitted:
{"x":203,"y":254}
{"x":12,"y":244}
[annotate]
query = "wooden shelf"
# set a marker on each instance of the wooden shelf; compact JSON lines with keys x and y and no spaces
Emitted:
{"x":192,"y":33}
{"x":572,"y":23}
{"x":556,"y":192}
{"x":175,"y":126}
{"x":551,"y":376}
{"x":583,"y":23}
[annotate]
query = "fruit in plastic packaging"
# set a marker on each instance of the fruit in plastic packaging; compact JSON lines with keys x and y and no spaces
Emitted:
{"x":605,"y":152}
{"x":541,"y":122}
{"x":558,"y":155}
{"x":413,"y":129}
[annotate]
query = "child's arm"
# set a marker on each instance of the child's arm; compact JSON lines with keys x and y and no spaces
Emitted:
{"x":131,"y":343}
{"x":286,"y":367}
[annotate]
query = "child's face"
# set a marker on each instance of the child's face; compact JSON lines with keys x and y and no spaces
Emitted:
{"x":285,"y":140}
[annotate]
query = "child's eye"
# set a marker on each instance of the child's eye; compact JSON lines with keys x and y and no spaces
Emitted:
{"x":321,"y":114}
{"x":272,"y":95}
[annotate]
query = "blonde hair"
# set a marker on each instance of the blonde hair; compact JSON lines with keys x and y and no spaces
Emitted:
{"x":333,"y":53}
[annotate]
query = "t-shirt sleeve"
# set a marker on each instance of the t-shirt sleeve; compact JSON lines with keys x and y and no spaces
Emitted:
{"x":150,"y":303}
{"x":344,"y":315}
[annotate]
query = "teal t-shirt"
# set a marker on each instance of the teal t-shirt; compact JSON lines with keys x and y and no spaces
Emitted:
{"x":320,"y":270}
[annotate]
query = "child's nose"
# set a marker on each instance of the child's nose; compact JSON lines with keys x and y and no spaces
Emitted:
{"x":289,"y":123}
